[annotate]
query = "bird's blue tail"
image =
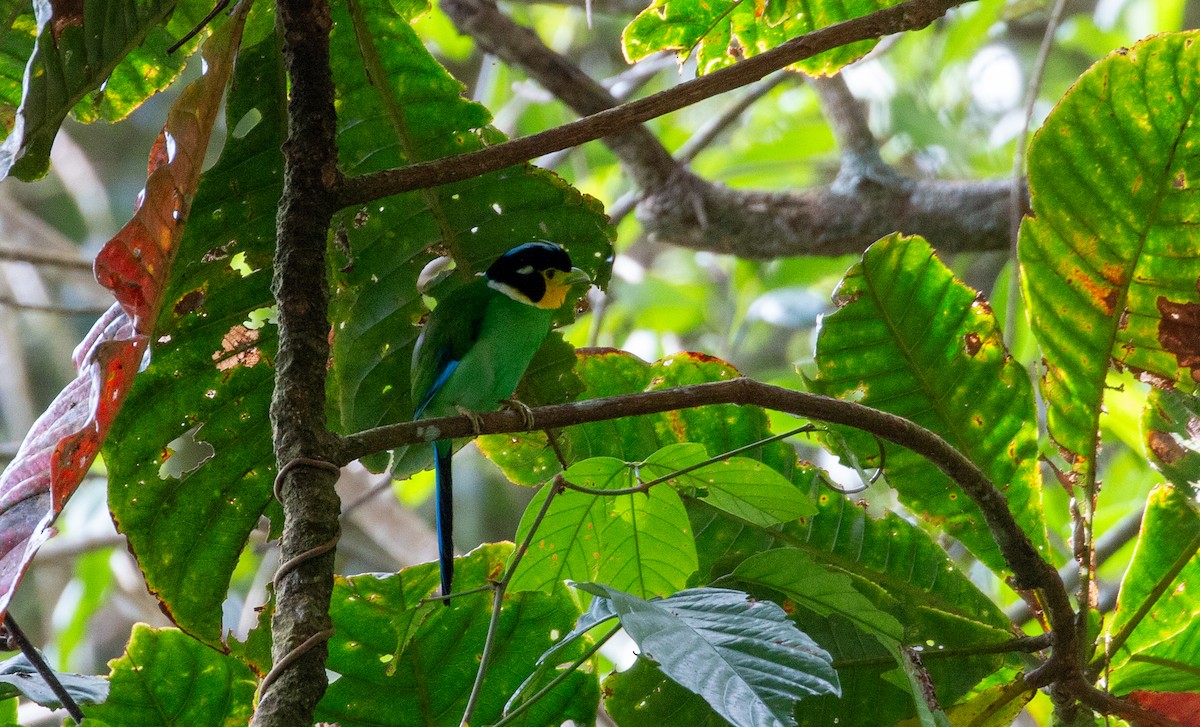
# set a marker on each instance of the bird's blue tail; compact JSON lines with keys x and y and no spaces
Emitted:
{"x":442,"y":452}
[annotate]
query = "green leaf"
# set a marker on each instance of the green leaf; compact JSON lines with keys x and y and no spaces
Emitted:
{"x":167,"y":678}
{"x":741,"y":486}
{"x":1109,"y":258}
{"x":117,"y":46}
{"x":387,"y":647}
{"x":639,"y":542}
{"x":910,"y":339}
{"x":725,"y":31}
{"x":743,"y":657}
{"x":795,"y":575}
{"x":1150,"y":609}
{"x":18,"y":677}
{"x":210,"y":371}
{"x":399,"y":106}
{"x":1172,"y":428}
{"x":997,"y":706}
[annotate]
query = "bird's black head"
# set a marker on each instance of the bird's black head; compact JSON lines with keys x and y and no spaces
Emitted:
{"x":538,"y":273}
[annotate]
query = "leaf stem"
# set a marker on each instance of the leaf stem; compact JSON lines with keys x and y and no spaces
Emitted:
{"x":43,"y":669}
{"x":566,"y":673}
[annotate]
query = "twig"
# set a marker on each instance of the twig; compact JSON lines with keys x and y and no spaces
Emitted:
{"x":645,"y":486}
{"x":49,"y":259}
{"x":910,"y":15}
{"x":559,"y":679}
{"x":65,"y":310}
{"x":221,"y":5}
{"x":1107,"y":546}
{"x":861,"y":162}
{"x":43,"y":669}
{"x":500,"y":588}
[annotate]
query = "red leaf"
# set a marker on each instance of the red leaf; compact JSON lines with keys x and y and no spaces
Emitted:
{"x":1183,"y":707}
{"x":135,"y":265}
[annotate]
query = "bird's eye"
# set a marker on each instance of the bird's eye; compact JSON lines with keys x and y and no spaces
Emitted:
{"x":550,"y":274}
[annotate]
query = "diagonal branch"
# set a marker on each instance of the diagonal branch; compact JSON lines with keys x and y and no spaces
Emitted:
{"x":910,"y":15}
{"x":867,"y":200}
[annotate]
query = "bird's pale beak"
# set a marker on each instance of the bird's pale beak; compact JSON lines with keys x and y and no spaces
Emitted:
{"x":575,"y":277}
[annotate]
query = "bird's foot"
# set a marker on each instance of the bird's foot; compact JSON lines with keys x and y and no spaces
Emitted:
{"x":476,"y":420}
{"x":519,"y":406}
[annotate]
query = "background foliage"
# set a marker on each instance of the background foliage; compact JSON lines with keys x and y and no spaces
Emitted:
{"x":1075,"y":398}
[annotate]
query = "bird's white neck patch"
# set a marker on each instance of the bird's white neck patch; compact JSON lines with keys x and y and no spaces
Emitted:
{"x":511,"y":292}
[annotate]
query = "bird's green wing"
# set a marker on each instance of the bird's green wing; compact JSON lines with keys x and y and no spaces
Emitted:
{"x":452,"y":328}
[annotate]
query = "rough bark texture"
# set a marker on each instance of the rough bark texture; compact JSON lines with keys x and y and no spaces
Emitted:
{"x":310,"y":503}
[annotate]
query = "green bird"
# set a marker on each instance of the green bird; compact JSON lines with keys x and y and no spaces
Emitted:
{"x":475,"y":348}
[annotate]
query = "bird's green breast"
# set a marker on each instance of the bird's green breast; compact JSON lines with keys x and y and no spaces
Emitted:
{"x":509,"y":335}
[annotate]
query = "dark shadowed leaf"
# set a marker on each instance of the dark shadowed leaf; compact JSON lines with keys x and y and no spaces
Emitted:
{"x":401,"y":663}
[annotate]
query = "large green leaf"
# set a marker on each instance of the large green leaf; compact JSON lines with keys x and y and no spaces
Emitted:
{"x":910,"y":339}
{"x":896,"y":567}
{"x":116,"y":48}
{"x":640,"y":542}
{"x":400,"y":663}
{"x":1172,"y":429}
{"x":167,"y":679}
{"x":1111,"y":255}
{"x":724,"y":31}
{"x":1156,"y":602}
{"x":399,"y":106}
{"x":743,"y":657}
{"x":743,"y":487}
{"x":210,"y":368}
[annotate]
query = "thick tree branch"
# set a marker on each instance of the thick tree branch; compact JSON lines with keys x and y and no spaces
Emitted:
{"x":1031,"y":570}
{"x":910,"y":15}
{"x":301,"y":624}
{"x":867,"y":200}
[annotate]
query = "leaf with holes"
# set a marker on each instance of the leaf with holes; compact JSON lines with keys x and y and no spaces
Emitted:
{"x":168,"y":679}
{"x":723,"y":32}
{"x":65,"y":440}
{"x":191,"y":464}
{"x":115,"y":50}
{"x":1111,"y":256}
{"x":910,"y":339}
{"x":387,"y":645}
